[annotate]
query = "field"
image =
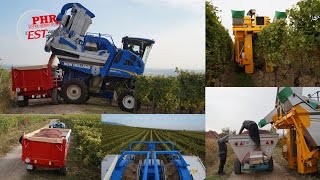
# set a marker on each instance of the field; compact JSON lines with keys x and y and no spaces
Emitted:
{"x":117,"y":138}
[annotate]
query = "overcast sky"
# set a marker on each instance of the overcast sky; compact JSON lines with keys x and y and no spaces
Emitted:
{"x":177,"y":26}
{"x":195,"y":122}
{"x":263,"y":8}
{"x":229,"y":107}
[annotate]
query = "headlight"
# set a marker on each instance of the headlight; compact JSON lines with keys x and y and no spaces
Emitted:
{"x":27,"y":160}
{"x":17,"y":89}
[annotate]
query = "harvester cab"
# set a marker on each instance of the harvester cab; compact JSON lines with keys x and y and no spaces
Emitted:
{"x":299,"y":116}
{"x":139,"y":46}
{"x":152,"y":163}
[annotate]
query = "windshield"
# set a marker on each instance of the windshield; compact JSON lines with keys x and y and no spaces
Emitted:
{"x":135,"y":49}
{"x":146,"y":54}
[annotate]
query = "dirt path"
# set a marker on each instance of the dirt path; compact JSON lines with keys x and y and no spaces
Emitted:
{"x":277,"y":173}
{"x":44,"y":106}
{"x":11,"y":166}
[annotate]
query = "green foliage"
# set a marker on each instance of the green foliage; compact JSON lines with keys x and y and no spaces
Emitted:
{"x":227,"y":131}
{"x":169,"y":94}
{"x":87,"y":135}
{"x":9,"y":122}
{"x":165,"y":93}
{"x":5,"y":89}
{"x":192,"y":91}
{"x":219,"y":46}
{"x":270,"y":47}
{"x":294,"y":45}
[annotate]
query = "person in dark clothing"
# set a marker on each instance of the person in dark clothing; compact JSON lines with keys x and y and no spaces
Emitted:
{"x":223,"y":150}
{"x":252,"y":127}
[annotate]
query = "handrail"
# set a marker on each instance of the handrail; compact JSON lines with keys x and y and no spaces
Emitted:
{"x":101,"y":35}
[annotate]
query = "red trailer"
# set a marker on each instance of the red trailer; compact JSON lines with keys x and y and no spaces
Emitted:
{"x":31,"y":82}
{"x":46,"y":148}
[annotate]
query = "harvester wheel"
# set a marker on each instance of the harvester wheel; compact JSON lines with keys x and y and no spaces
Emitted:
{"x":237,"y":166}
{"x":74,"y":91}
{"x":126,"y":102}
{"x":55,"y":96}
{"x":87,"y":99}
{"x":63,"y":170}
{"x":270,"y":163}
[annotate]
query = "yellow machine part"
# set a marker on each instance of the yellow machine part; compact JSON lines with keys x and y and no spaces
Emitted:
{"x":243,"y":35}
{"x":297,"y":152}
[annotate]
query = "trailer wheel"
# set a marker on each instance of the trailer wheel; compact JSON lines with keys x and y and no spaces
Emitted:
{"x":74,"y":91}
{"x":270,"y":163}
{"x":63,"y":170}
{"x":237,"y":166}
{"x":23,"y":103}
{"x":31,"y":170}
{"x":126,"y":101}
{"x":55,"y":96}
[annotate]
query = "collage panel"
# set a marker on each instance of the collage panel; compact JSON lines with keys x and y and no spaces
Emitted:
{"x":75,"y":59}
{"x":50,"y":147}
{"x":153,"y":146}
{"x":262,"y":132}
{"x":259,"y":43}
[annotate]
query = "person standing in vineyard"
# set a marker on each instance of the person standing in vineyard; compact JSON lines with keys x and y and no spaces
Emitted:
{"x":223,"y":150}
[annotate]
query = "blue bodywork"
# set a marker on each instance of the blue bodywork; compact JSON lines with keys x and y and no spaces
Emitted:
{"x":69,"y":6}
{"x":120,"y":64}
{"x":150,"y":169}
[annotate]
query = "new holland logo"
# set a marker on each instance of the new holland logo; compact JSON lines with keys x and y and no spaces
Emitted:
{"x":76,"y":65}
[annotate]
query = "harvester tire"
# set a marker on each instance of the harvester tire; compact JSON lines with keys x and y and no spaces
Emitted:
{"x":87,"y":99}
{"x":74,"y":91}
{"x":126,"y":101}
{"x":270,"y":163}
{"x":236,"y":166}
{"x":55,"y":96}
{"x":63,"y":170}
